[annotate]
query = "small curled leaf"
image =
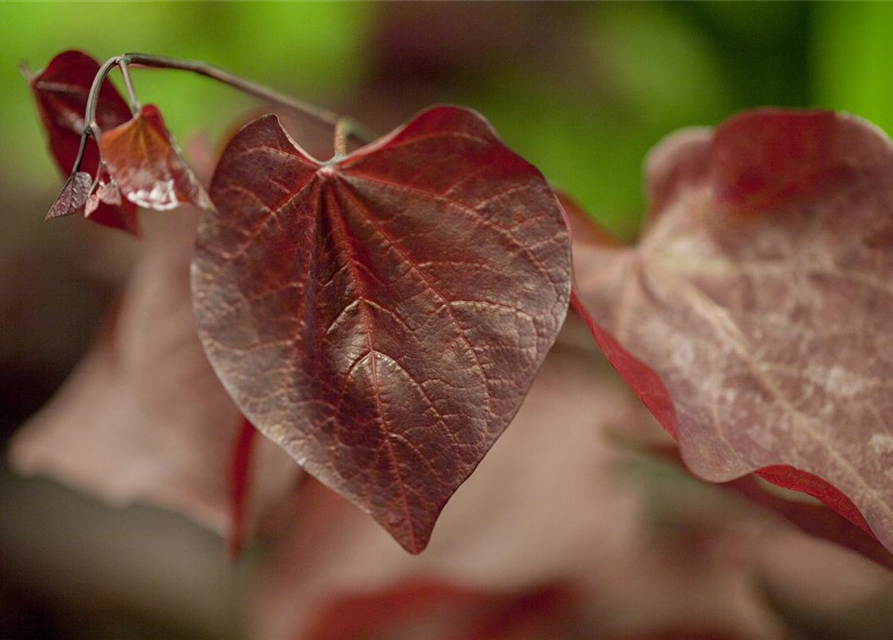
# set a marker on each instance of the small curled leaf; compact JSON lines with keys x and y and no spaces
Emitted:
{"x":60,"y":91}
{"x":147,"y":166}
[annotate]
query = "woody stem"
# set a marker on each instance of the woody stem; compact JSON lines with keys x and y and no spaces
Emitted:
{"x":91,"y":128}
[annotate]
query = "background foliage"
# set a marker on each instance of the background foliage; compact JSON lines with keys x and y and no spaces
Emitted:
{"x":582,"y":90}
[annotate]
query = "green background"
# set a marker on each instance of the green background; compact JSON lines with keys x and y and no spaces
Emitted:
{"x":583,"y":92}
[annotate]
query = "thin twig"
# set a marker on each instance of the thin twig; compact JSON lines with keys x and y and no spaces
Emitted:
{"x":128,"y":85}
{"x":342,"y":132}
{"x":80,"y":156}
{"x":25,"y":70}
{"x":91,"y":127}
{"x":249,"y":87}
{"x":348,"y":127}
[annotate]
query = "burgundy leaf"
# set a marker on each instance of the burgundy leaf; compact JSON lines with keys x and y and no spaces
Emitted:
{"x":555,"y":501}
{"x":61,"y":93}
{"x":761,"y":297}
{"x":118,"y":216}
{"x":382,"y":315}
{"x":74,"y":196}
{"x":401,"y":611}
{"x":146,"y":164}
{"x":435,"y":610}
{"x":240,"y":475}
{"x":144,"y":417}
{"x":813,"y":519}
{"x":532,"y":491}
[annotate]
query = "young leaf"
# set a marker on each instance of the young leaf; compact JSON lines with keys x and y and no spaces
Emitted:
{"x":143,"y":417}
{"x":146,"y":164}
{"x":74,"y":196}
{"x":61,"y":94}
{"x":382,"y":315}
{"x":761,"y":297}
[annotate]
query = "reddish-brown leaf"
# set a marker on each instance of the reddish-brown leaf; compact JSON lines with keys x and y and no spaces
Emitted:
{"x":761,"y":296}
{"x":811,"y":518}
{"x":533,"y":491}
{"x":239,"y":476}
{"x":74,"y":196}
{"x":583,"y":228}
{"x":147,"y":166}
{"x":815,"y":520}
{"x":61,"y":93}
{"x":144,"y":417}
{"x":435,"y":610}
{"x":555,"y":501}
{"x":382,"y":315}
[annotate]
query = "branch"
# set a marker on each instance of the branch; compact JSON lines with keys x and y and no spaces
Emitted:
{"x":91,"y":127}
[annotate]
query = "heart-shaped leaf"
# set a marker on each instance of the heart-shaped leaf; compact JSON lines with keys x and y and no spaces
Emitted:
{"x":147,"y":166}
{"x":61,"y":91}
{"x":382,"y":315}
{"x":761,"y":295}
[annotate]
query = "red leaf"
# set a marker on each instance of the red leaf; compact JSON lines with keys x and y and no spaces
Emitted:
{"x":441,"y":611}
{"x":769,"y":332}
{"x":61,"y":93}
{"x":538,"y":509}
{"x":144,"y":417}
{"x":555,"y":501}
{"x":122,"y":216}
{"x":813,"y":519}
{"x":382,"y":315}
{"x":74,"y":196}
{"x":756,"y":168}
{"x":240,"y":474}
{"x":398,"y":611}
{"x":583,"y":227}
{"x":146,"y":164}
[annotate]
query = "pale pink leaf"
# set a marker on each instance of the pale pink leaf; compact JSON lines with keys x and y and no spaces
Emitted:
{"x":144,"y":417}
{"x":761,"y":295}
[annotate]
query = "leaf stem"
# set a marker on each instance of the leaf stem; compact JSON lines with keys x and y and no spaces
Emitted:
{"x":247,"y":86}
{"x":344,"y":128}
{"x":128,"y":84}
{"x":25,"y":70}
{"x":80,"y":156}
{"x":91,"y":127}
